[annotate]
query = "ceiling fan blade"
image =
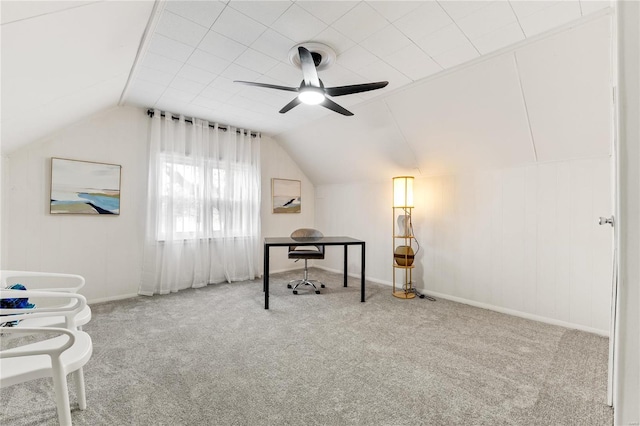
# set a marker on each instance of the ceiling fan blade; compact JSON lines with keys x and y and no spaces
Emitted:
{"x":290,"y":105}
{"x":354,"y":88}
{"x":309,"y":71}
{"x":328,"y":103}
{"x":268,"y":86}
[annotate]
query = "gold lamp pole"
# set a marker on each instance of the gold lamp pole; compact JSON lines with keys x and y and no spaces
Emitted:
{"x":403,"y":254}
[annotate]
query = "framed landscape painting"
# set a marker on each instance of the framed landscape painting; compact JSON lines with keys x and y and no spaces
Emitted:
{"x":285,"y":195}
{"x":84,"y":187}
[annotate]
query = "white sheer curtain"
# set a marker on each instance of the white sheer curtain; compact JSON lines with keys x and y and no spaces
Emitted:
{"x":203,"y":212}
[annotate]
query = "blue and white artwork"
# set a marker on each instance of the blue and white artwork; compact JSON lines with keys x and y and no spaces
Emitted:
{"x":286,"y":195}
{"x":83,"y":187}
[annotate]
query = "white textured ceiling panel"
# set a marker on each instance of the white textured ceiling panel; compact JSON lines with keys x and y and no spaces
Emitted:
{"x":401,"y":42}
{"x":568,"y":89}
{"x":62,"y":58}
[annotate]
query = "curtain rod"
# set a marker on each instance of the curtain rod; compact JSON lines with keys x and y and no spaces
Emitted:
{"x":151,"y":113}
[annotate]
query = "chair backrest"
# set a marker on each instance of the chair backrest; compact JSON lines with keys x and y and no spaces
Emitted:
{"x":63,"y":305}
{"x":306,"y":234}
{"x":51,"y":281}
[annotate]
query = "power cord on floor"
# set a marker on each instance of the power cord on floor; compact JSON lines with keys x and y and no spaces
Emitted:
{"x":413,"y":289}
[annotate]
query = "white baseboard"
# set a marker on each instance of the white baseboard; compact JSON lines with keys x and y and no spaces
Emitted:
{"x":355,"y":275}
{"x":490,"y":307}
{"x":129,"y":296}
{"x":112,"y":298}
{"x":520,"y":314}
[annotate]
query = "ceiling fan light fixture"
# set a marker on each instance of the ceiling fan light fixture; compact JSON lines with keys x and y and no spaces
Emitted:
{"x":311,"y":90}
{"x":311,"y":96}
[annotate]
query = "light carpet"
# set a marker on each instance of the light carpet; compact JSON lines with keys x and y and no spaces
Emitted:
{"x":215,"y":356}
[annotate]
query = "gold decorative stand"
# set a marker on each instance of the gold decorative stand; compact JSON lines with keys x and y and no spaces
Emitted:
{"x":403,"y":237}
{"x":403,"y":255}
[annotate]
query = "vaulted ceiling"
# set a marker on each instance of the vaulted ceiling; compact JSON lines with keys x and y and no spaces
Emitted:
{"x":494,"y":83}
{"x":63,"y":61}
{"x":550,"y":100}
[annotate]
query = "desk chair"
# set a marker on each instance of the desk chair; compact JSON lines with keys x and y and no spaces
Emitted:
{"x":306,"y":253}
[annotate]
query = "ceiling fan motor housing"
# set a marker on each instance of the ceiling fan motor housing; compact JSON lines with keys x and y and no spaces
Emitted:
{"x":323,"y":55}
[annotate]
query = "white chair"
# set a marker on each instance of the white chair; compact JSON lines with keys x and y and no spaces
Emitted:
{"x":55,"y":358}
{"x":52,"y":357}
{"x":49,"y":281}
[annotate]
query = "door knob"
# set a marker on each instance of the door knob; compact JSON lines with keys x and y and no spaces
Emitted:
{"x":606,"y":220}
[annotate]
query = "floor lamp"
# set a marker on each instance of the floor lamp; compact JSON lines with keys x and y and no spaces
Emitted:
{"x":403,"y":238}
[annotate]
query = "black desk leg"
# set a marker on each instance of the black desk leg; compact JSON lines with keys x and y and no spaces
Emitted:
{"x":345,"y":264}
{"x":362,"y":276}
{"x":265,"y":278}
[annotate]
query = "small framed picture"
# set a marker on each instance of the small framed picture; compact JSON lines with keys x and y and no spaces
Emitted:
{"x":285,"y":195}
{"x":84,"y":187}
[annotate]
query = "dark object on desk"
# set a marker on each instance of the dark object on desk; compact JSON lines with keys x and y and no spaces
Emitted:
{"x":306,"y":253}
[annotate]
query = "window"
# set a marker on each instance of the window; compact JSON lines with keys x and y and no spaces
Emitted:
{"x":197,"y":199}
{"x":203,"y":205}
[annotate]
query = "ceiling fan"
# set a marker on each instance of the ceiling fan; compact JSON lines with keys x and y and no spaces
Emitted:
{"x":311,"y":90}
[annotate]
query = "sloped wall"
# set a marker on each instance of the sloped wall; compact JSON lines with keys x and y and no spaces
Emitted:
{"x":545,"y":99}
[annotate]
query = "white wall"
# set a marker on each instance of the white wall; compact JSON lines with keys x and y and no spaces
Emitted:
{"x":362,"y":211}
{"x":522,"y":239}
{"x":276,"y":163}
{"x":107,"y":251}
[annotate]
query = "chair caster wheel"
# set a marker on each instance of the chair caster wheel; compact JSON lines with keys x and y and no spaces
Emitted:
{"x":321,"y":285}
{"x":288,"y":285}
{"x":295,"y":291}
{"x":317,"y":291}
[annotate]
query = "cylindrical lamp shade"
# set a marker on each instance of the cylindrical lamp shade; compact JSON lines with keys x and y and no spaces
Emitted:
{"x":403,"y":191}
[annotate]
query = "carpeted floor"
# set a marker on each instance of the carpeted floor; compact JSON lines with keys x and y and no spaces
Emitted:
{"x":214,"y":356}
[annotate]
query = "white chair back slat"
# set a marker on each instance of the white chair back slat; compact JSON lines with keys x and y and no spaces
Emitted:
{"x":59,"y":312}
